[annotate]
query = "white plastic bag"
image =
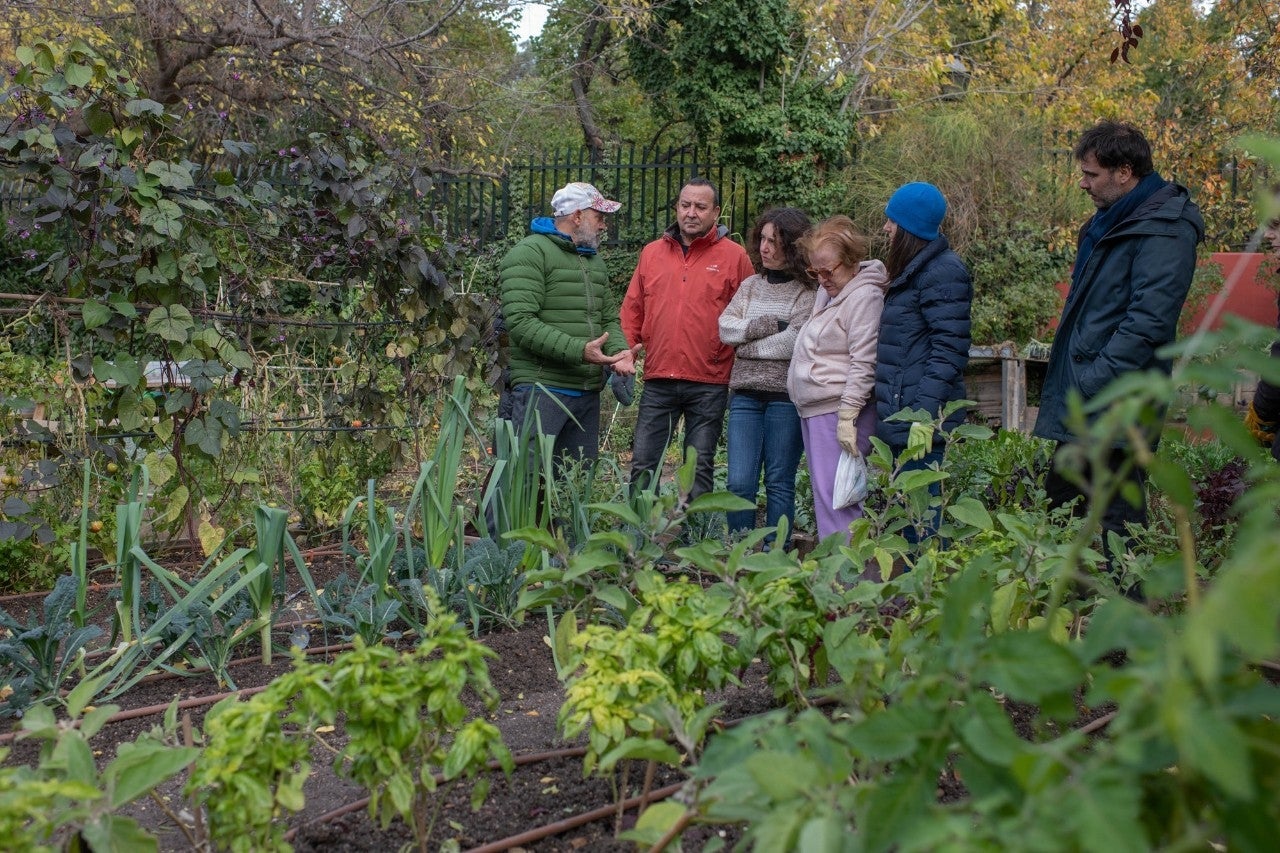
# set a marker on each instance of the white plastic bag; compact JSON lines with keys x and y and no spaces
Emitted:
{"x":851,"y":481}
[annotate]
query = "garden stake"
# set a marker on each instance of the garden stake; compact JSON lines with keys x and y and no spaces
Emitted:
{"x":622,"y":793}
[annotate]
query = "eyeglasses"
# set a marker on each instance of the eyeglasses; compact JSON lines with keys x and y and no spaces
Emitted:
{"x":822,"y":272}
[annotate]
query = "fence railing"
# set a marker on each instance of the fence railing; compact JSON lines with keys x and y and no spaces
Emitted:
{"x":477,"y":210}
{"x":646,"y":181}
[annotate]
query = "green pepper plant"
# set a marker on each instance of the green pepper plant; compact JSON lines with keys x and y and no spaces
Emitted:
{"x":404,"y":720}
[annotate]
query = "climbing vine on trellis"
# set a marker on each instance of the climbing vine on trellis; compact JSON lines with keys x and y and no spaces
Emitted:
{"x":176,"y":263}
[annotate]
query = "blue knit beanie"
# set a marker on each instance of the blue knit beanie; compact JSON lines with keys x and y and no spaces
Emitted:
{"x":917,"y":208}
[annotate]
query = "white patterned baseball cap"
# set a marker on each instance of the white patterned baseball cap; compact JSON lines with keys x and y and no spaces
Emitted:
{"x":579,"y":196}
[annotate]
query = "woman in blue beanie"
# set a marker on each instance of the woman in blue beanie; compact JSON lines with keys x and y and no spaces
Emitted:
{"x":924,"y":331}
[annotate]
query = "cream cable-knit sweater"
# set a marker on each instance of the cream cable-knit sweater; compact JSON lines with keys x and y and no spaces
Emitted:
{"x":750,"y":324}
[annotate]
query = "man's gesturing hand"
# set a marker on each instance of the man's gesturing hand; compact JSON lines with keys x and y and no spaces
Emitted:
{"x":593,"y":353}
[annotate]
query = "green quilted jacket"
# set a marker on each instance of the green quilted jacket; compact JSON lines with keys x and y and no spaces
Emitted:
{"x":555,"y":300}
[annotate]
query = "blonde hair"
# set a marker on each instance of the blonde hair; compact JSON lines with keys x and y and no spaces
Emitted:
{"x":841,"y":234}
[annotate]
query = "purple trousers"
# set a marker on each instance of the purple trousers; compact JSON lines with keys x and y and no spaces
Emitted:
{"x":823,"y":453}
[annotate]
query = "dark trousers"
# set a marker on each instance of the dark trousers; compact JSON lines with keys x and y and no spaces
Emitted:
{"x":1119,"y":512}
{"x":574,"y":421}
{"x":663,"y":403}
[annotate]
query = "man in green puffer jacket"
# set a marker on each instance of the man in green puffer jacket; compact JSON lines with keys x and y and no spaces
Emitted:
{"x":562,"y":321}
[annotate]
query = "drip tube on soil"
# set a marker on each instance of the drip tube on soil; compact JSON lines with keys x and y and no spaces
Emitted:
{"x":204,"y":668}
{"x":193,"y":702}
{"x":132,"y":713}
{"x":9,"y":598}
{"x":569,"y":823}
{"x":520,"y":761}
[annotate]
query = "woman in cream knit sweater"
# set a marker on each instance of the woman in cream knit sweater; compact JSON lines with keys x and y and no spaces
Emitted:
{"x":833,"y":369}
{"x":761,"y":323}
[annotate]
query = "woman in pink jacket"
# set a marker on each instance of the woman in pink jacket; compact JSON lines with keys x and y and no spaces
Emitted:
{"x":832,"y":372}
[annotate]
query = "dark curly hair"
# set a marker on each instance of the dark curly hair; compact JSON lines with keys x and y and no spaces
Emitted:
{"x":790,"y":224}
{"x":1114,"y":144}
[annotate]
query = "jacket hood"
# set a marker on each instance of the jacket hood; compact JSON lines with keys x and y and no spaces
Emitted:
{"x":870,"y":274}
{"x":1167,"y":204}
{"x":546,"y":226}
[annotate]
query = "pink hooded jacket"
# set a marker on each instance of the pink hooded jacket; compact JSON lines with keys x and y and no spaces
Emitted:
{"x":834,"y":365}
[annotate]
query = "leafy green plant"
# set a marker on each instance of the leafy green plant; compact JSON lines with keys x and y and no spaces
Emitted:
{"x":1003,"y":471}
{"x":441,"y":515}
{"x":66,"y":799}
{"x":209,"y":639}
{"x":325,"y":491}
{"x":358,"y":610}
{"x":1009,"y":622}
{"x":267,"y":587}
{"x":491,"y":583}
{"x":36,"y":658}
{"x":516,"y":497}
{"x":669,"y":653}
{"x":404,"y":718}
{"x":381,"y":541}
{"x":32,"y":532}
{"x":597,"y":578}
{"x":1015,"y":276}
{"x":784,"y":606}
{"x":220,"y":585}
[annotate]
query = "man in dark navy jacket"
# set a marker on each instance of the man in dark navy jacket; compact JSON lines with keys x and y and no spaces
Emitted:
{"x":1134,"y":263}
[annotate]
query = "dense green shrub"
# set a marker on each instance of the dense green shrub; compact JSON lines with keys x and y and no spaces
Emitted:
{"x":1014,"y":278}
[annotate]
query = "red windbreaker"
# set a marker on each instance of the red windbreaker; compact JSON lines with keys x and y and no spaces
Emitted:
{"x":674,"y":302}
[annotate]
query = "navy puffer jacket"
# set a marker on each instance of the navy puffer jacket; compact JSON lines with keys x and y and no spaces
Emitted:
{"x":924,"y":340}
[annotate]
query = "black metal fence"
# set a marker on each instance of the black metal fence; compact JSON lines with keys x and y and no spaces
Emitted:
{"x":646,"y":181}
{"x":477,"y":210}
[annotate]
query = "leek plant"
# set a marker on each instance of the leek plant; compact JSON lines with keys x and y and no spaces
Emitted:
{"x":433,"y":493}
{"x":268,"y":585}
{"x":128,"y":540}
{"x":518,"y":496}
{"x":381,"y":540}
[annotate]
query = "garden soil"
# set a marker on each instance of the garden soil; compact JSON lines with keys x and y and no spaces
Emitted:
{"x":536,"y":794}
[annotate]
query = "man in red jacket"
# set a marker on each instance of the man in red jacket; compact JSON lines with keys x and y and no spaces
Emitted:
{"x":671,"y":313}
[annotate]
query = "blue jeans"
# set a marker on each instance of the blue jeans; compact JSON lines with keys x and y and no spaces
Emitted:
{"x":663,"y":403}
{"x":763,"y":434}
